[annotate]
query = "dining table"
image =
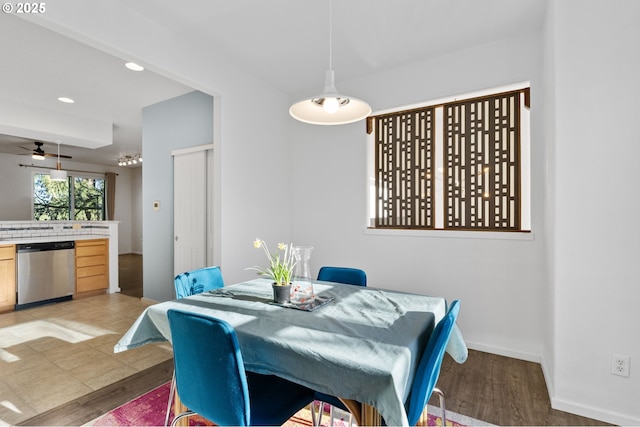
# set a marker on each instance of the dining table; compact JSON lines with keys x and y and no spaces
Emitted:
{"x":362,"y":345}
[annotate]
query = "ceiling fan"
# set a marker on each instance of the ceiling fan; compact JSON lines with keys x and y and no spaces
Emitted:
{"x":39,"y":154}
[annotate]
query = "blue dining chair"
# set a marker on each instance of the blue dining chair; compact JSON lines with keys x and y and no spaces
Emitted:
{"x":426,"y":377}
{"x":349,"y":276}
{"x":212,"y":382}
{"x":197,"y":281}
{"x":191,"y":283}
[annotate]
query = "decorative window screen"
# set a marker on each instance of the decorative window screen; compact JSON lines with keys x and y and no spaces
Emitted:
{"x":482,"y":163}
{"x":404,"y":157}
{"x":472,"y":184}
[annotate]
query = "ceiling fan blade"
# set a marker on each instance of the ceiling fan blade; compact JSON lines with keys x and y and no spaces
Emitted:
{"x":62,"y":156}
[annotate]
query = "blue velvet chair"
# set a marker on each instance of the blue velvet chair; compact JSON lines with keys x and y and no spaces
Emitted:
{"x":212,"y":382}
{"x":191,"y":283}
{"x":349,"y":276}
{"x":198,"y":281}
{"x":424,"y":382}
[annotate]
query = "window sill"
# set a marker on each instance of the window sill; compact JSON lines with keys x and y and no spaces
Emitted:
{"x":450,"y":234}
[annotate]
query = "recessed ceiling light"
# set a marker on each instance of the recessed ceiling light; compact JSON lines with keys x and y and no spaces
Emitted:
{"x":133,"y":66}
{"x":66,"y":100}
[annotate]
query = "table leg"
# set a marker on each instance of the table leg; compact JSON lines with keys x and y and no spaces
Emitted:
{"x":364,"y":414}
{"x":423,"y":420}
{"x":178,"y":408}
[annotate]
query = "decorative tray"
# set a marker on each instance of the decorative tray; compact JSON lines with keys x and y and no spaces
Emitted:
{"x":317,"y":303}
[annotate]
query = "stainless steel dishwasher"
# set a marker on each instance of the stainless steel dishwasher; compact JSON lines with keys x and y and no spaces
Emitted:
{"x":45,"y":273}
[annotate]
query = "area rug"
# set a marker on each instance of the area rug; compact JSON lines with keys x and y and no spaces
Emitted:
{"x":149,"y":410}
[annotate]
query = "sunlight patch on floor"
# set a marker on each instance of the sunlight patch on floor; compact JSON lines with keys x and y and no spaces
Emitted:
{"x":62,"y":329}
{"x":10,"y":406}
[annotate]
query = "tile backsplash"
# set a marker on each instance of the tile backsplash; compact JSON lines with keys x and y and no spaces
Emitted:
{"x":28,"y":229}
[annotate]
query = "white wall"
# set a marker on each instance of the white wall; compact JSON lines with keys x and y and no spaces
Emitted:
{"x":548,"y":159}
{"x":181,"y":122}
{"x":596,"y":278}
{"x":500,"y":282}
{"x":136,"y":210}
{"x":16,"y":188}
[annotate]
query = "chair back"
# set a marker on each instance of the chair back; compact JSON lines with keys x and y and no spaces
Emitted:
{"x":198,"y":281}
{"x":209,"y":369}
{"x":429,"y":368}
{"x":350,"y":276}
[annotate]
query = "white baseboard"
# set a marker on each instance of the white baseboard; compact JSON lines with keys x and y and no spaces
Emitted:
{"x":502,"y":351}
{"x":582,"y":410}
{"x":595,"y":413}
{"x":599,"y":414}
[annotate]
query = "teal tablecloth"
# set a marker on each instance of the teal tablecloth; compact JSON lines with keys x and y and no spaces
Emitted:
{"x":364,"y":345}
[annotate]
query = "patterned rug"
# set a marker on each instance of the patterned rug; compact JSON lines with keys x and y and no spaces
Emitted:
{"x":149,"y":410}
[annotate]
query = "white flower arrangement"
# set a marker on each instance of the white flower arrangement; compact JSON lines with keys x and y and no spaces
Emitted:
{"x":281,"y":263}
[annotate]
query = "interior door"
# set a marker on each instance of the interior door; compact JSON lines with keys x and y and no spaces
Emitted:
{"x":190,"y":210}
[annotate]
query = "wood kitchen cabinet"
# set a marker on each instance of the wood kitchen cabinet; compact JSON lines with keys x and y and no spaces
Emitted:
{"x":7,"y":277}
{"x":92,"y":266}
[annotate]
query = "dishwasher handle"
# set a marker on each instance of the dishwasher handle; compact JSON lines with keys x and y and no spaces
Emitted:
{"x":46,"y":246}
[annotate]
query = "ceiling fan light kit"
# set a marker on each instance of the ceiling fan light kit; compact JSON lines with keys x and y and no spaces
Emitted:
{"x":330,"y":108}
{"x":39,"y":154}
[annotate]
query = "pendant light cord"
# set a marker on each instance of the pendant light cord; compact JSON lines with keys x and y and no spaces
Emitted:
{"x":330,"y":36}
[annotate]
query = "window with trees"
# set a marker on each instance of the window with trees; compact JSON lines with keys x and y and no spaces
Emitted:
{"x":457,"y":165}
{"x":76,"y":198}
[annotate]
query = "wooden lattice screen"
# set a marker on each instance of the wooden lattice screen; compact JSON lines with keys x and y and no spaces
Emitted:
{"x":482,"y":163}
{"x":404,"y":159}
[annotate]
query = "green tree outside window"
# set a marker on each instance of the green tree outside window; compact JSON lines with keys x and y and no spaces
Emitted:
{"x":77,"y":198}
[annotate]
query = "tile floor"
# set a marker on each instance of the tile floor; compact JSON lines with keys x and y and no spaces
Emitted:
{"x":56,"y":353}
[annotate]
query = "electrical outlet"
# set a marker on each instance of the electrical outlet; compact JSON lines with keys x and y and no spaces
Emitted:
{"x":620,"y":365}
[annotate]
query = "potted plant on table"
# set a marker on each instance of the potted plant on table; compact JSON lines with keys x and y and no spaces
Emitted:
{"x":281,"y":264}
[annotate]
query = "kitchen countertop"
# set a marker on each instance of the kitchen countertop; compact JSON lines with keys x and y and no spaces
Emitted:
{"x":43,"y":239}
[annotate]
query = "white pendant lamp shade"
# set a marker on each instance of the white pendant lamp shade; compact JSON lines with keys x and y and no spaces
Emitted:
{"x":58,"y":174}
{"x":330,"y":108}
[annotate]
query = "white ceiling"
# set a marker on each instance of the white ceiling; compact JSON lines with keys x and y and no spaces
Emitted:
{"x":284,"y":42}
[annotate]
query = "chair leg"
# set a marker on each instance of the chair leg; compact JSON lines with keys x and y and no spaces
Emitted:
{"x":181,"y":416}
{"x":442,"y":407}
{"x":332,"y":418}
{"x":316,"y":418}
{"x":170,"y":401}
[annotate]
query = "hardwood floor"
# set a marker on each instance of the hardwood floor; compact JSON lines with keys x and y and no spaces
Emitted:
{"x":130,"y":274}
{"x":502,"y":391}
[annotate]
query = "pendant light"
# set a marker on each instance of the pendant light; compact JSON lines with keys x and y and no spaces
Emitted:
{"x":330,"y":108}
{"x":58,"y":174}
